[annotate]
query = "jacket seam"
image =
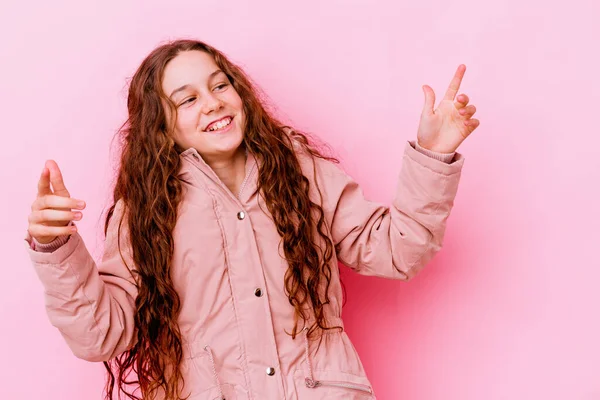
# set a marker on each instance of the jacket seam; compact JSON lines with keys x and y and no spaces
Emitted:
{"x":215,"y":207}
{"x":428,"y":245}
{"x":233,"y":301}
{"x":90,"y":302}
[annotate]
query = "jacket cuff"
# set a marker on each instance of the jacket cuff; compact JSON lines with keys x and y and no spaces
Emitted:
{"x":433,"y":164}
{"x":49,"y":247}
{"x":55,"y":257}
{"x":443,"y":157}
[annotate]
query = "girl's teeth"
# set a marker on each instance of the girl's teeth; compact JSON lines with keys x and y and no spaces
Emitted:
{"x":220,"y":124}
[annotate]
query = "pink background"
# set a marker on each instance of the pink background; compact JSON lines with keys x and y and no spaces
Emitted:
{"x":509,"y":309}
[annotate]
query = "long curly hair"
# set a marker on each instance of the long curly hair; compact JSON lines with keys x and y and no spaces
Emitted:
{"x":148,"y":150}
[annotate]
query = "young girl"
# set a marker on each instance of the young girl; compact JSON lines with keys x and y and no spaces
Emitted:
{"x":219,"y":278}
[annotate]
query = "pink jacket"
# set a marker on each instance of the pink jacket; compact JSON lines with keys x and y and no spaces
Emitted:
{"x":229,"y":273}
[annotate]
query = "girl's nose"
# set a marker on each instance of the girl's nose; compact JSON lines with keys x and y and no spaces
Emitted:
{"x":211,"y":103}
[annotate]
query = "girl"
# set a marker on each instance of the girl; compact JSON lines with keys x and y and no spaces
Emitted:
{"x":219,"y":278}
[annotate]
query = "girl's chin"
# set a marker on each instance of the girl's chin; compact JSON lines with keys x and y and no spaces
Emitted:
{"x":224,"y":145}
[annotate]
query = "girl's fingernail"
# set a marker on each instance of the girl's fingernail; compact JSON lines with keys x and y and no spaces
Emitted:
{"x":81,"y":204}
{"x":73,"y":228}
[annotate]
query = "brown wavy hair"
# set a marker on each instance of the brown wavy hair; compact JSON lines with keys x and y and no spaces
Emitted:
{"x":149,"y":151}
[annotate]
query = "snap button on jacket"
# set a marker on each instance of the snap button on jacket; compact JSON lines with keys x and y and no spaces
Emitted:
{"x":228,"y":268}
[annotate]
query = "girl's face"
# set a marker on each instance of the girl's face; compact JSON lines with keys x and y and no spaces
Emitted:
{"x":210,"y":115}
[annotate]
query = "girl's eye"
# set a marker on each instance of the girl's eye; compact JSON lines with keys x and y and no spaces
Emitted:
{"x":188,"y":101}
{"x":222,"y":85}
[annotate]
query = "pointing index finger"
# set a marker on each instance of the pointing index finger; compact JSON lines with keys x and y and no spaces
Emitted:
{"x":455,"y":83}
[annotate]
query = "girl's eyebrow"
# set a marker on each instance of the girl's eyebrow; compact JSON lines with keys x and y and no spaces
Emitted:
{"x":184,"y":87}
{"x":179,"y":89}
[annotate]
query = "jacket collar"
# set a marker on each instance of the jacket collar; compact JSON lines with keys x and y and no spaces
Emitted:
{"x":250,"y":182}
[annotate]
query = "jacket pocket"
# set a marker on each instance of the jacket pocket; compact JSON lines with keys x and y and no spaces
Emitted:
{"x":229,"y":393}
{"x":332,"y":385}
{"x":200,"y":382}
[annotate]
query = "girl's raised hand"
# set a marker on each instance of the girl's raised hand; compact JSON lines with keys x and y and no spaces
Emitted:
{"x":445,"y":128}
{"x":53,"y":209}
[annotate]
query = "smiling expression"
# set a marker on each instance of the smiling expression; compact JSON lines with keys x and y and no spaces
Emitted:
{"x":210,"y":116}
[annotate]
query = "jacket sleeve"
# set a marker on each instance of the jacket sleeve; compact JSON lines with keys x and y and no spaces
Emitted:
{"x":92,"y":305}
{"x":394,"y":241}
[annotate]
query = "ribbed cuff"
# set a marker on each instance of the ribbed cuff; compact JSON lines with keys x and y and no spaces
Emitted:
{"x":53,"y":245}
{"x":49,"y":247}
{"x":444,"y":157}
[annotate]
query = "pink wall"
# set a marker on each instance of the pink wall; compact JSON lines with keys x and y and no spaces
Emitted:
{"x":507,"y":310}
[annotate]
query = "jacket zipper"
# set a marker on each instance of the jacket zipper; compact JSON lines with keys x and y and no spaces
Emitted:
{"x":245,"y":181}
{"x":344,"y":385}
